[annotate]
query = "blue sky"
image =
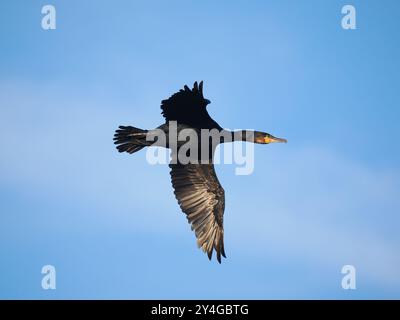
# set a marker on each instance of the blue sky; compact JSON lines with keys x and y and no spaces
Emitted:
{"x":109,"y":222}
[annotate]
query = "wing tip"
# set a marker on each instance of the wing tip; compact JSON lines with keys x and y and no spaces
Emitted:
{"x":219,"y":257}
{"x":209,"y":254}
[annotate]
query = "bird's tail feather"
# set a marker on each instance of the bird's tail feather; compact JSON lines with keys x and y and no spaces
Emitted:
{"x":130,"y":139}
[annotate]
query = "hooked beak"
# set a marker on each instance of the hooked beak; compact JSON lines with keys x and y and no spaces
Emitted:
{"x":271,"y":139}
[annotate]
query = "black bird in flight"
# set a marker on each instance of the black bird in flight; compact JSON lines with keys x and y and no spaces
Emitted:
{"x":197,"y":189}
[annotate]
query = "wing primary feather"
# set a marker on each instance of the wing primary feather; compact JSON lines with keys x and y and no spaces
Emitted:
{"x":202,"y":199}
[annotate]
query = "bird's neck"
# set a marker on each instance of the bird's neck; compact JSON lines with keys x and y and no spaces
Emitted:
{"x":243,"y":135}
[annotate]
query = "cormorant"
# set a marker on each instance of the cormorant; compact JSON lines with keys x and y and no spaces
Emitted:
{"x":197,"y":189}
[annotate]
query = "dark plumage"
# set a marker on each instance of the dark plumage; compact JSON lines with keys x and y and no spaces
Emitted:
{"x":189,"y":107}
{"x":196,"y":186}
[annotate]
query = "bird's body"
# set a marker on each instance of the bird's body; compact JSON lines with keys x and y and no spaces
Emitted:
{"x":196,"y":186}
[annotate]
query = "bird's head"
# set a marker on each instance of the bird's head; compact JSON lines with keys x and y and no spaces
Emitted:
{"x":265,"y":138}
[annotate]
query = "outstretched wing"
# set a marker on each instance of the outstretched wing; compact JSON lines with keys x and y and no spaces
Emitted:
{"x":202,"y":199}
{"x":189,"y":107}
